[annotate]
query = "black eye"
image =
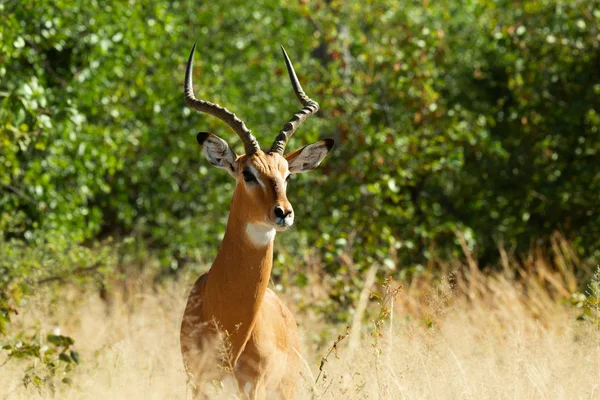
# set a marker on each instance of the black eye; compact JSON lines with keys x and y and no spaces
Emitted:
{"x":287,"y":178}
{"x":248,"y":177}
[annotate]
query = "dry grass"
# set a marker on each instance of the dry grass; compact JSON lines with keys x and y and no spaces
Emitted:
{"x":467,"y":337}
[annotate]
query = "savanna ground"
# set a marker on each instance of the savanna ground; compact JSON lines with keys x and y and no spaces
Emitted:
{"x":466,"y":335}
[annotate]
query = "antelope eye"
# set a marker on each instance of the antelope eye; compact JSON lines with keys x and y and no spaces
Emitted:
{"x":248,"y":177}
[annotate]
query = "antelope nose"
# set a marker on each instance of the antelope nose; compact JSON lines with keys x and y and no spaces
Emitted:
{"x":281,"y":213}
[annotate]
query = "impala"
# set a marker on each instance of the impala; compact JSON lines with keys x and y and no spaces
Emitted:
{"x":232,"y":299}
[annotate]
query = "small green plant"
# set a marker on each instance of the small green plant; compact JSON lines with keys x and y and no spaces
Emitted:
{"x":589,"y":302}
{"x":25,"y":267}
{"x":384,"y":299}
{"x":5,"y":311}
{"x":51,"y":359}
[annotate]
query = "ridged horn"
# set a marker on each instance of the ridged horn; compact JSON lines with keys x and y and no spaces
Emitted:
{"x":250,"y":144}
{"x":309,"y":108}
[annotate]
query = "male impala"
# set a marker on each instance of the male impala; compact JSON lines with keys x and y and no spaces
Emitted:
{"x":232,"y":297}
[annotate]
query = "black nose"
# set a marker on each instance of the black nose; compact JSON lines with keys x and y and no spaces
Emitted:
{"x":281,"y":213}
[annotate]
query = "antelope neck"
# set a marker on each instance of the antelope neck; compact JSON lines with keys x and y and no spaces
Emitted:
{"x":238,"y":279}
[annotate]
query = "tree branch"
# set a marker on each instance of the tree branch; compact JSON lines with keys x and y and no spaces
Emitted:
{"x":77,"y":271}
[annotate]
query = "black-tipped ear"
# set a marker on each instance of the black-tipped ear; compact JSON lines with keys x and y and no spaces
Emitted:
{"x":329,"y":143}
{"x":218,"y":152}
{"x":201,"y":137}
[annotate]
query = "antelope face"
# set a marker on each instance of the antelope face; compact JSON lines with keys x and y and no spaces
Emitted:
{"x":262,"y":178}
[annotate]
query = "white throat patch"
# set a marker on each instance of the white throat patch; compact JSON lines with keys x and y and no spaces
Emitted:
{"x":260,"y":234}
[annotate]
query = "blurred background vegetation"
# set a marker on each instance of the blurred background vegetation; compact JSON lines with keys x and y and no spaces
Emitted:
{"x":461,"y":125}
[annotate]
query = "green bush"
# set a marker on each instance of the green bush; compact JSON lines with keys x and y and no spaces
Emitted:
{"x":25,"y":268}
{"x":476,"y":117}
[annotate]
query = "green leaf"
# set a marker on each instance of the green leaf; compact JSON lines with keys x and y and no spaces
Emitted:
{"x":75,"y":356}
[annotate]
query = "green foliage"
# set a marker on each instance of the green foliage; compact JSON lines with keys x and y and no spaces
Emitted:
{"x":50,"y":259}
{"x":478,"y":117}
{"x":5,"y":311}
{"x":588,"y":303}
{"x":533,"y":80}
{"x":51,"y":361}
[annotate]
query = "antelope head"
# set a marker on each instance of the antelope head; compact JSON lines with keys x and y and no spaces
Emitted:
{"x":261,"y":176}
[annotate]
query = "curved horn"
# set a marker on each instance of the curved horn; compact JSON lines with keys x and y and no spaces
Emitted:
{"x":309,"y":108}
{"x":250,"y":144}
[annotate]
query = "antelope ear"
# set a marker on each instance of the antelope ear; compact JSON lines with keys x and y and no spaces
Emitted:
{"x":218,"y":152}
{"x":308,"y":157}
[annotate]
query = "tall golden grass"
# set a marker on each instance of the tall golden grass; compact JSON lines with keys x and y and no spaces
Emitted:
{"x":506,"y":334}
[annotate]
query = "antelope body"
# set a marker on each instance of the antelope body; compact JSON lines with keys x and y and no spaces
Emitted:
{"x":232,"y":300}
